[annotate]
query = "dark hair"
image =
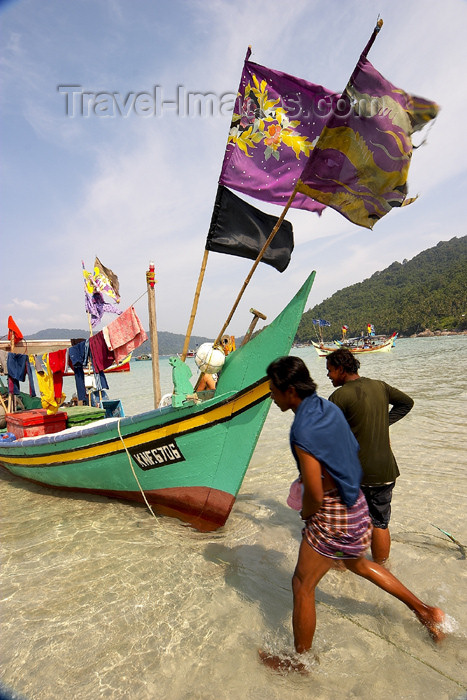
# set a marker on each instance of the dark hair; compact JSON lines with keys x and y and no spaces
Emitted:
{"x":291,"y":371}
{"x":344,"y":359}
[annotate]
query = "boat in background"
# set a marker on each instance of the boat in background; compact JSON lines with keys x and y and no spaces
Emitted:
{"x":187,"y":460}
{"x":360,"y":345}
{"x":123,"y":366}
{"x":144,"y":356}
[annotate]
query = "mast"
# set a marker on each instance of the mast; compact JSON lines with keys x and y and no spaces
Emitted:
{"x":195,"y":305}
{"x":156,"y":384}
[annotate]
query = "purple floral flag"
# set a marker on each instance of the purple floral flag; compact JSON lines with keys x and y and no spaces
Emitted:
{"x":277,"y":119}
{"x":96,"y":307}
{"x":359,"y":165}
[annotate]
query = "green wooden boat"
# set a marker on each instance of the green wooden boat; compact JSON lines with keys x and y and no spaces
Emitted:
{"x":188,"y":462}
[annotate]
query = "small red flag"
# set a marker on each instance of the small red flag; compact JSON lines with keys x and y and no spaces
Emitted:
{"x":14,"y":332}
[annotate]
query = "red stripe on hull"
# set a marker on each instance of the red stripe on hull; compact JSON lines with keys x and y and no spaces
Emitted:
{"x":204,"y":508}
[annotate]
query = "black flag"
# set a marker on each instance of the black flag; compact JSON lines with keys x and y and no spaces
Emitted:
{"x":238,"y":228}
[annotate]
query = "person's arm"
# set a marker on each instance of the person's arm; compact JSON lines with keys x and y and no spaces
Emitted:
{"x":401,"y":404}
{"x":310,"y":470}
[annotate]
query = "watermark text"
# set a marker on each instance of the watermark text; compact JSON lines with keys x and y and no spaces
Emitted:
{"x":184,"y":103}
{"x":157,"y":102}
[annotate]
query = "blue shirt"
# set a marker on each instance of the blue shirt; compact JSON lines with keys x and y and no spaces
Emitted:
{"x":321,"y":430}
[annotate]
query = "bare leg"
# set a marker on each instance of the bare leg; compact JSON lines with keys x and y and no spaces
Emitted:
{"x":428,"y":616}
{"x":380,"y":544}
{"x":310,"y":569}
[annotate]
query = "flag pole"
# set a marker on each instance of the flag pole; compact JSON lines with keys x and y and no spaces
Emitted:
{"x":195,"y":305}
{"x":90,"y":335}
{"x":150,"y":279}
{"x":376,"y":30}
{"x":256,"y":263}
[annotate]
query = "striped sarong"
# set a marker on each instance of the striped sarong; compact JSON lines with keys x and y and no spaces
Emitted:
{"x":339,"y":532}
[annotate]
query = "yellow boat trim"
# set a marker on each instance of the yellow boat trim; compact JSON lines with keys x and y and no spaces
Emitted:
{"x":217,"y":414}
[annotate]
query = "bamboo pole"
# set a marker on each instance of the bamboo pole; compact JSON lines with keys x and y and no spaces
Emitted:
{"x":255,"y":264}
{"x":89,"y":393}
{"x":156,"y":385}
{"x":195,"y":305}
{"x":2,"y":402}
{"x":371,"y":41}
{"x":11,"y":397}
{"x":376,"y":30}
{"x":89,"y":359}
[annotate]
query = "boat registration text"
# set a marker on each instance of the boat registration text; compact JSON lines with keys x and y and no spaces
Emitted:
{"x":157,"y":454}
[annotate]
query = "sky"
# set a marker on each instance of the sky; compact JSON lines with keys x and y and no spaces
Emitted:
{"x":133,"y":186}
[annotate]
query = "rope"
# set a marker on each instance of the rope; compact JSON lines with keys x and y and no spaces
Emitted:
{"x":453,"y":539}
{"x":140,"y":297}
{"x":134,"y":473}
{"x":389,"y":641}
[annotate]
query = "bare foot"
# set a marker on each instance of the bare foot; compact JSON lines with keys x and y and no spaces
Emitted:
{"x":432,"y":619}
{"x":283,"y":664}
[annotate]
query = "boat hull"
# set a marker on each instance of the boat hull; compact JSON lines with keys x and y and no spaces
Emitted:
{"x":187,"y":462}
{"x":124,"y":367}
{"x":204,"y":508}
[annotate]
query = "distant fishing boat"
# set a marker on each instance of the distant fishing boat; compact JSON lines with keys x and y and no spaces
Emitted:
{"x":143,"y":357}
{"x":357,"y":346}
{"x":123,"y":366}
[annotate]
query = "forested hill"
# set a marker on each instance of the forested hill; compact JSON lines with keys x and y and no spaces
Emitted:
{"x":429,"y":291}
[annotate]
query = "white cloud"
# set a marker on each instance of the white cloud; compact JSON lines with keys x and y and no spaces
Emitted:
{"x":27,"y":304}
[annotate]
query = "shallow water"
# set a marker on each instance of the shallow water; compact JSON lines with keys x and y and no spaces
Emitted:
{"x":101,"y":600}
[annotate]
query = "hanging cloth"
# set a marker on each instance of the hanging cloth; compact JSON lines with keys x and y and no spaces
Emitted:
{"x":102,"y":357}
{"x":124,"y":334}
{"x":49,"y":385}
{"x":57,"y":362}
{"x":18,"y":366}
{"x":99,"y":377}
{"x":76,"y":356}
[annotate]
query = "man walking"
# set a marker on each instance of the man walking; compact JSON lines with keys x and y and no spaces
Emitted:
{"x":335,"y":514}
{"x":365,"y":404}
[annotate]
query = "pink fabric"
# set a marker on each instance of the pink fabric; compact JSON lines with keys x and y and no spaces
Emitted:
{"x":125,"y":334}
{"x":295,"y":497}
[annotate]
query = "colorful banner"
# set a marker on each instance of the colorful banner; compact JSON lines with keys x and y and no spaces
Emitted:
{"x":99,"y":281}
{"x":108,"y":280}
{"x":276,"y":120}
{"x":360,"y":163}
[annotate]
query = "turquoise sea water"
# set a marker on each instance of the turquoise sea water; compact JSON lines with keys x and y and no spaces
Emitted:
{"x":101,"y":600}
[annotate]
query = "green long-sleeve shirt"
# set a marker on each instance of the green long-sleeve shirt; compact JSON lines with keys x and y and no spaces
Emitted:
{"x":365,"y":404}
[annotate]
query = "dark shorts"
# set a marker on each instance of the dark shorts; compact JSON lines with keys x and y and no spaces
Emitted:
{"x":379,"y":503}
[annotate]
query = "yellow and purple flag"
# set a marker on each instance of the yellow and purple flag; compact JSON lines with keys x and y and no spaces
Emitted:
{"x":102,"y":280}
{"x":106,"y":280}
{"x":277,"y":118}
{"x":360,"y":162}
